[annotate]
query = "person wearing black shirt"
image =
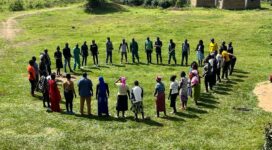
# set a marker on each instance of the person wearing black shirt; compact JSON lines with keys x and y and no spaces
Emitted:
{"x":58,"y":57}
{"x":230,"y":48}
{"x":94,"y":51}
{"x":67,"y":57}
{"x":171,"y":49}
{"x":109,"y":48}
{"x":223,"y":46}
{"x":47,"y":61}
{"x":185,"y":52}
{"x":84,"y":52}
{"x":158,"y":45}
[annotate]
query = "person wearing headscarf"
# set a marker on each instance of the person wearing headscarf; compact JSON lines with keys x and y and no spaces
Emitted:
{"x":54,"y":94}
{"x":122,"y":96}
{"x":195,"y":82}
{"x":160,"y":96}
{"x":137,"y":94}
{"x":102,"y":94}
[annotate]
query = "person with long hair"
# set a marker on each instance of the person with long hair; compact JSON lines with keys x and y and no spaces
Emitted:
{"x":102,"y":94}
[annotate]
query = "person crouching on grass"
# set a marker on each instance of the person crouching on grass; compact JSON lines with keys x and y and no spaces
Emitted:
{"x":54,"y":94}
{"x":183,"y":90}
{"x":173,"y":93}
{"x":137,"y":94}
{"x":122,"y":97}
{"x":69,"y":93}
{"x":160,"y":96}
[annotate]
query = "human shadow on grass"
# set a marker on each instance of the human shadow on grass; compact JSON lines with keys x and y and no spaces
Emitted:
{"x":207,"y":100}
{"x":172,"y":118}
{"x":106,"y":8}
{"x":187,"y":115}
{"x":240,"y":71}
{"x":147,"y":121}
{"x":118,"y":65}
{"x":102,"y":118}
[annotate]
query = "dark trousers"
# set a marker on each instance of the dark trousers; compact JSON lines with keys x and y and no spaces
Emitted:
{"x":208,"y":82}
{"x":184,"y":56}
{"x":69,"y":100}
{"x":95,"y":59}
{"x":109,"y":56}
{"x":174,"y":57}
{"x":218,"y":72}
{"x":46,"y":99}
{"x":84,"y":60}
{"x":32,"y":86}
{"x":225,"y":70}
{"x":149,"y":56}
{"x":173,"y":98}
{"x":159,"y":57}
{"x":122,"y":56}
{"x":135,"y":55}
{"x":67,"y":61}
{"x":49,"y":69}
{"x":232,"y":64}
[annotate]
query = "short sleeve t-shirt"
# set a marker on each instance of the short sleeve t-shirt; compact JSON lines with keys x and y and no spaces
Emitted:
{"x":122,"y":90}
{"x":160,"y":87}
{"x":31,"y":71}
{"x":174,"y":87}
{"x":85,"y":86}
{"x":137,"y":92}
{"x":213,"y":47}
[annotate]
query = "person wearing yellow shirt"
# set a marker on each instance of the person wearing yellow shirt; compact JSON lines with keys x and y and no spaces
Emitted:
{"x":213,"y":47}
{"x":226,"y":63}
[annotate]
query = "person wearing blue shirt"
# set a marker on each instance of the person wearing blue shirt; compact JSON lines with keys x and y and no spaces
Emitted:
{"x":85,"y":89}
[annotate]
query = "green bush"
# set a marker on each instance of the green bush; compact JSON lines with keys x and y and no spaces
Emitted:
{"x":155,"y":3}
{"x":181,"y":3}
{"x":135,"y":2}
{"x":164,"y":4}
{"x":147,"y":3}
{"x":92,"y":4}
{"x":17,"y":5}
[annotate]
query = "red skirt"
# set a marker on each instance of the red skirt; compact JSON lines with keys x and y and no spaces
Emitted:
{"x":160,"y":102}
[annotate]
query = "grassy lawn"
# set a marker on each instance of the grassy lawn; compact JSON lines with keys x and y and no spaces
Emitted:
{"x":214,"y":124}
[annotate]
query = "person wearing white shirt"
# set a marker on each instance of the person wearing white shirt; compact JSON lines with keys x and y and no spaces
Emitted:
{"x":173,"y":92}
{"x":137,"y":94}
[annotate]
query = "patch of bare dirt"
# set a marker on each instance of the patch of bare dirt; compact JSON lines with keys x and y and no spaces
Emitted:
{"x":263,"y":91}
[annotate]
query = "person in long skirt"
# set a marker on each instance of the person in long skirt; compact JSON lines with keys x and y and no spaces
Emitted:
{"x":122,"y":96}
{"x":183,"y":90}
{"x":102,"y":94}
{"x":69,"y":94}
{"x":58,"y":57}
{"x":54,"y":94}
{"x":196,"y":86}
{"x":160,"y":96}
{"x":137,"y":94}
{"x":173,"y":93}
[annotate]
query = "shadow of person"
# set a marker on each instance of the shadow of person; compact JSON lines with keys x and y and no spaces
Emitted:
{"x":196,"y":110}
{"x":147,"y":121}
{"x":172,"y":118}
{"x":186,"y":115}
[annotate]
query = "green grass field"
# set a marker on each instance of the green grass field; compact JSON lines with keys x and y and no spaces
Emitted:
{"x":214,"y":124}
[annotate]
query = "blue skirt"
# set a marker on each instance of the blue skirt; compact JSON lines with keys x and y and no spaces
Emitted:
{"x":102,"y":102}
{"x":200,"y":56}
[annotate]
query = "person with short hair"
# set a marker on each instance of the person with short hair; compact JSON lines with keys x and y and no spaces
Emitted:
{"x":134,"y":50}
{"x":232,"y":63}
{"x":44,"y":88}
{"x":160,"y":96}
{"x":84,"y":52}
{"x":47,"y":61}
{"x":137,"y":94}
{"x":77,"y":57}
{"x":67,"y":57}
{"x":102,"y":95}
{"x":36,"y":67}
{"x":58,"y":57}
{"x":173,"y":93}
{"x":69,"y":93}
{"x":200,"y":52}
{"x":124,"y":50}
{"x":31,"y":76}
{"x":158,"y":46}
{"x":109,"y":49}
{"x":94,"y":51}
{"x":148,"y":50}
{"x":185,"y":52}
{"x":230,"y":48}
{"x":85,"y":89}
{"x":213,"y":47}
{"x":207,"y":74}
{"x":54,"y":94}
{"x":183,"y":90}
{"x":172,"y":53}
{"x":122,"y":96}
{"x":43,"y":67}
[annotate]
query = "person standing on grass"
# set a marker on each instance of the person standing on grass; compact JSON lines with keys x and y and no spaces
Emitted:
{"x":69,"y":93}
{"x":77,"y":57}
{"x":172,"y":53}
{"x":160,"y":96}
{"x":232,"y":63}
{"x":122,"y":96}
{"x":137,"y":94}
{"x":158,"y":46}
{"x":94,"y":51}
{"x":109,"y":49}
{"x":173,"y":93}
{"x":207,"y":74}
{"x":213,"y":47}
{"x":42,"y":67}
{"x":226,"y":64}
{"x":54,"y":94}
{"x":230,"y":48}
{"x":195,"y":82}
{"x":102,"y":95}
{"x":219,"y":60}
{"x":85,"y":88}
{"x":185,"y":52}
{"x":58,"y":58}
{"x":200,"y":52}
{"x":183,"y":90}
{"x":44,"y":87}
{"x":223,"y":46}
{"x":47,"y":61}
{"x":84,"y":52}
{"x":148,"y":50}
{"x":31,"y":76}
{"x":124,"y":50}
{"x":36,"y":67}
{"x":67,"y":57}
{"x":134,"y":50}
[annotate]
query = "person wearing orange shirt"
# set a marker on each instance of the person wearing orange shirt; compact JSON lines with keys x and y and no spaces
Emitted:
{"x":31,"y":76}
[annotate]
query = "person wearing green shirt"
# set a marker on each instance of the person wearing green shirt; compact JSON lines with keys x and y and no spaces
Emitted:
{"x":77,"y":57}
{"x":148,"y":50}
{"x":134,"y":50}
